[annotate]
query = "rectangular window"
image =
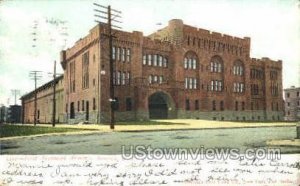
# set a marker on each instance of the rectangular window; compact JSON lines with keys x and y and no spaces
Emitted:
{"x":212,"y":85}
{"x":165,"y":62}
{"x":236,"y":105}
{"x":118,"y":78}
{"x":186,"y":83}
{"x":149,"y":60}
{"x":194,"y":64}
{"x":114,"y":53}
{"x":214,"y":105}
{"x":221,"y":105}
{"x":160,"y":79}
{"x":123,"y":78}
{"x":155,"y":60}
{"x":78,"y":106}
{"x":187,"y":104}
{"x":94,"y":104}
{"x":144,"y":59}
{"x":82,"y":105}
{"x":195,"y":83}
{"x":190,"y":83}
{"x":128,"y":104}
{"x":128,"y":78}
{"x":118,"y":53}
{"x":196,"y":104}
{"x":116,"y":104}
{"x":128,"y":55}
{"x":123,"y":55}
{"x":150,"y":79}
{"x":72,"y":76}
{"x":160,"y":61}
{"x":72,"y":111}
{"x":85,"y":70}
{"x":243,"y":105}
{"x":185,"y":63}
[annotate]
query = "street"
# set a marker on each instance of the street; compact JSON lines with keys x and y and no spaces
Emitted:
{"x":111,"y":142}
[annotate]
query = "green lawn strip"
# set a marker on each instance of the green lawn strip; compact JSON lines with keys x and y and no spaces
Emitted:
{"x":23,"y":130}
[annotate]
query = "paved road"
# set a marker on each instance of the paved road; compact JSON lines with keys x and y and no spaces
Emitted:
{"x":111,"y":142}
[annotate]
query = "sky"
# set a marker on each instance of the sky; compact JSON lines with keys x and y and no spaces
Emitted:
{"x":33,"y":32}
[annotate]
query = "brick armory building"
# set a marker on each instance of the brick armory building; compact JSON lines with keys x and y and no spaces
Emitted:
{"x":177,"y":72}
{"x":44,"y":103}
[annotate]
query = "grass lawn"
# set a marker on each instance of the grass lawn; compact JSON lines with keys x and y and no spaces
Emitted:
{"x":23,"y":130}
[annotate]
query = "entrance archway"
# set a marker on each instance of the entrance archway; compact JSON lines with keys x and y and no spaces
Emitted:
{"x":158,"y":105}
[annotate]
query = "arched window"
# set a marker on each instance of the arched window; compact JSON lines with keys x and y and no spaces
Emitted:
{"x":238,"y":68}
{"x":190,"y":60}
{"x":216,"y":64}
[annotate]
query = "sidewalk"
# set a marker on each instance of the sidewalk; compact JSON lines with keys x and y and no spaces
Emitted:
{"x":175,"y":124}
{"x":293,"y":142}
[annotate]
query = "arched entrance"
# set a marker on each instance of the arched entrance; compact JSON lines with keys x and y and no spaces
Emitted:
{"x":158,"y":105}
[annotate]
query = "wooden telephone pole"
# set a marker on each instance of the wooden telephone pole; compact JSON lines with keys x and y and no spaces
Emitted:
{"x":108,"y":16}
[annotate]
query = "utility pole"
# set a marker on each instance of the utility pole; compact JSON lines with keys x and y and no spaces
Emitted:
{"x":54,"y":92}
{"x":35,"y":75}
{"x":15,"y":93}
{"x":108,"y":16}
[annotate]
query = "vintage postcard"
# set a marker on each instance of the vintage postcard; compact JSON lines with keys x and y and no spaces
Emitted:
{"x":136,"y":92}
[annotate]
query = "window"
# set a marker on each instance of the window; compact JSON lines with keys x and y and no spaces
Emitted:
{"x":236,"y":105}
{"x":196,"y":104}
{"x":185,"y":63}
{"x":118,"y":53}
{"x":72,"y":76}
{"x":216,"y":85}
{"x":128,"y":78}
{"x":221,"y":105}
{"x":150,"y":78}
{"x":128,"y":55}
{"x":78,"y":106}
{"x":116,"y":104}
{"x":85,"y":70}
{"x":297,"y":94}
{"x":216,"y":65}
{"x":187,"y":104}
{"x":123,"y":54}
{"x":288,"y":104}
{"x":190,"y":61}
{"x":118,"y":78}
{"x":128,"y":104}
{"x":160,"y":61}
{"x":144,"y":59}
{"x":160,"y":79}
{"x":155,"y":60}
{"x":149,"y":60}
{"x":214,"y":105}
{"x":165,"y":62}
{"x":72,"y":112}
{"x":287,"y":95}
{"x":254,"y":89}
{"x":190,"y":83}
{"x":82,"y":105}
{"x":243,"y":105}
{"x":114,"y":53}
{"x":238,"y":68}
{"x":123,"y":78}
{"x":94,"y":104}
{"x":238,"y":87}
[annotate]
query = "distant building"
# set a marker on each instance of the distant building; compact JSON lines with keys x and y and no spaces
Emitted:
{"x":44,"y":103}
{"x":292,"y":103}
{"x":3,"y":114}
{"x":14,"y":114}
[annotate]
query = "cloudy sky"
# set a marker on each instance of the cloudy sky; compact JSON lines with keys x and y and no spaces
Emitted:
{"x":32,"y":32}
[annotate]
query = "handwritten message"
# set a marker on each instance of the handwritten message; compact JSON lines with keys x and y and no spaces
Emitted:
{"x":97,"y":170}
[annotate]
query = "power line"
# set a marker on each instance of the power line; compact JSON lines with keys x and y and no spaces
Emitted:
{"x":35,"y":75}
{"x":15,"y":93}
{"x":106,"y":14}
